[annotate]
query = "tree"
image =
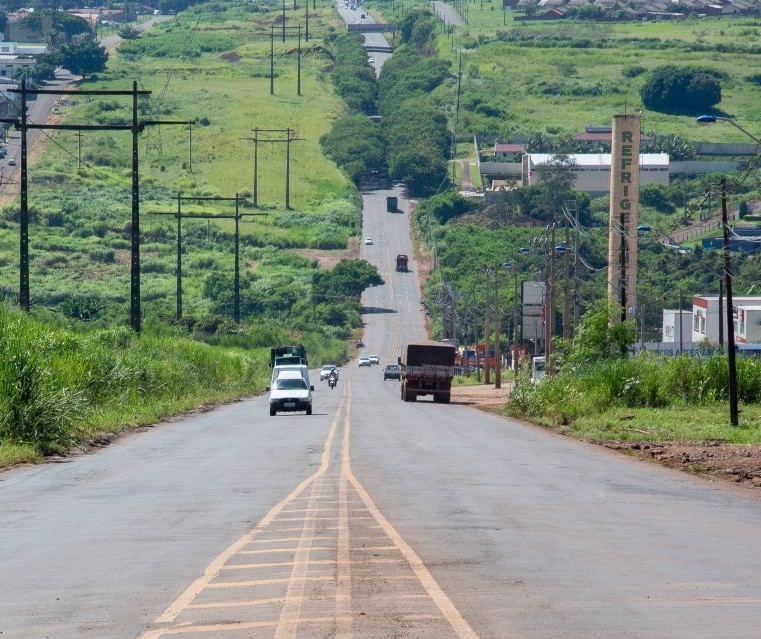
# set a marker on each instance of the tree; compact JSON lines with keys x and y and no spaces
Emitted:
{"x":345,"y":281}
{"x":598,"y":337}
{"x":356,"y":144}
{"x":681,"y":89}
{"x":83,"y":58}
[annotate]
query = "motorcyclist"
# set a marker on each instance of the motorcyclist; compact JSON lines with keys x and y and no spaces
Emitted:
{"x":332,"y":379}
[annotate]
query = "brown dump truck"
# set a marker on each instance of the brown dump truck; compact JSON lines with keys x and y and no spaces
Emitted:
{"x":427,"y":369}
{"x":402,"y":263}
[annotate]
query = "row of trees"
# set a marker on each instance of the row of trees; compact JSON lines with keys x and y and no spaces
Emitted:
{"x":412,"y":140}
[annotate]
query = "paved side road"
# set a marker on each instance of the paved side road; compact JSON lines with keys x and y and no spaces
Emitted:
{"x":446,"y":12}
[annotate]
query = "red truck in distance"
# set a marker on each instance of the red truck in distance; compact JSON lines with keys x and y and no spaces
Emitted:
{"x":402,"y":263}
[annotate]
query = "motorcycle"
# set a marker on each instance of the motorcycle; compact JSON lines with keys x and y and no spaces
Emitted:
{"x":360,"y":344}
{"x":332,"y":381}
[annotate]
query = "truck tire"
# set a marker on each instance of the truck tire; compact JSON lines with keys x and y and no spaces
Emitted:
{"x":309,"y":410}
{"x":273,"y":412}
{"x":445,"y":398}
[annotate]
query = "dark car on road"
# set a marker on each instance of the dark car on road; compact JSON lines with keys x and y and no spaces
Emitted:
{"x":391,"y":372}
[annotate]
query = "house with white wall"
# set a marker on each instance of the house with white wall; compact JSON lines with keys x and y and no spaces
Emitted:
{"x":708,"y":316}
{"x":675,"y":331}
{"x":592,"y":170}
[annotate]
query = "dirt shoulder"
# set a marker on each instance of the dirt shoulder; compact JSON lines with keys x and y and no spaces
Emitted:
{"x":740,"y":464}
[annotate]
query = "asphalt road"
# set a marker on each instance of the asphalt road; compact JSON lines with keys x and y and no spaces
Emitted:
{"x":373,"y":518}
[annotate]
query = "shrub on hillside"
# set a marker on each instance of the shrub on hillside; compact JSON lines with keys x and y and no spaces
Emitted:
{"x":681,"y":89}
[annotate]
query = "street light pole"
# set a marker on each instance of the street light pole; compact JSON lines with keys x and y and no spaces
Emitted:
{"x":731,"y":360}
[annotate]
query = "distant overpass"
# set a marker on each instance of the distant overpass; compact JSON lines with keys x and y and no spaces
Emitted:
{"x":378,"y":49}
{"x":372,"y":27}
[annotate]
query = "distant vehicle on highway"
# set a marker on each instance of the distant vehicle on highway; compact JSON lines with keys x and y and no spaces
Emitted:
{"x":11,"y":162}
{"x":368,"y":240}
{"x":365,"y":361}
{"x":392,"y":371}
{"x":374,"y":359}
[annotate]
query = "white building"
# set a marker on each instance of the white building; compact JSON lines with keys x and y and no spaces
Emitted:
{"x":674,"y":331}
{"x":746,"y":314}
{"x":592,"y":171}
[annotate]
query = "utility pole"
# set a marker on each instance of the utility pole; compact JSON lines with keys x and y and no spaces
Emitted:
{"x":24,"y":210}
{"x":549,"y":312}
{"x":306,"y":16}
{"x":283,"y":20}
{"x":487,"y":333}
{"x":288,"y":139}
{"x":298,"y":66}
{"x":497,"y":353}
{"x":515,"y":325}
{"x":272,"y":58}
{"x":475,"y":338}
{"x":576,"y":282}
{"x":135,"y":127}
{"x":731,"y":360}
{"x":566,"y":286}
{"x":236,"y":216}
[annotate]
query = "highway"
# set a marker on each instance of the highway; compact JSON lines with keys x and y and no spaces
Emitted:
{"x":372,"y":518}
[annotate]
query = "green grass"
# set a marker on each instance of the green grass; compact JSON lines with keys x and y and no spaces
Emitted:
{"x":60,"y":386}
{"x":199,"y":66}
{"x":586,"y":82}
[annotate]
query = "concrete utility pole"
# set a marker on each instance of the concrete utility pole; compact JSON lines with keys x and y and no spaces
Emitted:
{"x":136,"y":127}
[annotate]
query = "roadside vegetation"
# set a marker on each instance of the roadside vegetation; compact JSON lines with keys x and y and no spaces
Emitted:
{"x":62,"y":386}
{"x":600,"y":392}
{"x":299,"y":280}
{"x":411,"y":143}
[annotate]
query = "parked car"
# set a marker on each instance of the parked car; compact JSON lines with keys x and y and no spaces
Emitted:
{"x":326,"y":370}
{"x":364,"y":361}
{"x":289,"y":393}
{"x":368,"y":240}
{"x":392,"y":371}
{"x":374,"y":359}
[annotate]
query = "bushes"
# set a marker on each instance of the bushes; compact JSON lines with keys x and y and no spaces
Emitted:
{"x":645,"y":381}
{"x":675,"y":89}
{"x":55,"y":384}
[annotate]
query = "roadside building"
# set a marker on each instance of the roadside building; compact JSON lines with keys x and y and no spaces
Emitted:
{"x":674,"y":330}
{"x":708,"y":315}
{"x":592,"y":170}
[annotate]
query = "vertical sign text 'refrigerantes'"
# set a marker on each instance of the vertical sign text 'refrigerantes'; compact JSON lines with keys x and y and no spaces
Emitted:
{"x":624,"y":202}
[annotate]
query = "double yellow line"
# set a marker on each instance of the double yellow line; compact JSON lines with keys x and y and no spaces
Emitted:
{"x":291,"y":612}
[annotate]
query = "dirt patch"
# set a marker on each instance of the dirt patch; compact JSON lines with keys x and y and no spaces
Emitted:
{"x":740,"y":464}
{"x":231,"y":57}
{"x":737,"y":463}
{"x":328,"y":259}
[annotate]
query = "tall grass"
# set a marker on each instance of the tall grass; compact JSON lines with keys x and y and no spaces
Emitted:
{"x":678,"y":398}
{"x":59,"y":386}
